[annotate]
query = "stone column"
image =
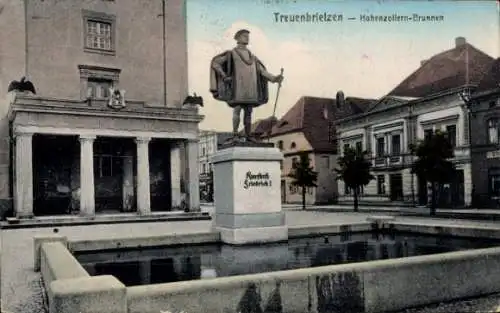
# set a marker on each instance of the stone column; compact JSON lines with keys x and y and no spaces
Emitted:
{"x":87,"y":189}
{"x":175,"y":174}
{"x":23,"y":201}
{"x":143,"y":187}
{"x":193,"y":182}
{"x":128,"y":183}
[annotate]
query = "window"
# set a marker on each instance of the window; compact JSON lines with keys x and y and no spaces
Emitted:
{"x":493,"y":131}
{"x":99,"y":32}
{"x":380,"y":184}
{"x":281,"y":165}
{"x":106,"y":165}
{"x":428,"y":134}
{"x":292,"y":145}
{"x":204,"y":166}
{"x":99,"y":88}
{"x":346,"y":147}
{"x":96,"y":81}
{"x":327,"y":162}
{"x":280,"y":144}
{"x":98,"y":35}
{"x":396,"y":145}
{"x":494,"y":178}
{"x":203,"y":153}
{"x":294,"y":162}
{"x":380,"y":146}
{"x":451,"y":131}
{"x":359,"y":146}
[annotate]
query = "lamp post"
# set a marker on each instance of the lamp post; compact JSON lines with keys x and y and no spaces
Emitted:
{"x":465,"y":95}
{"x":164,"y":35}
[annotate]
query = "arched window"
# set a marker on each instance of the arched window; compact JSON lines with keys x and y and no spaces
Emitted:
{"x":292,"y":145}
{"x":493,"y":131}
{"x":325,"y":112}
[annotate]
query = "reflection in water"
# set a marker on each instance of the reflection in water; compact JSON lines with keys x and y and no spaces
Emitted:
{"x":339,"y":293}
{"x":151,"y":266}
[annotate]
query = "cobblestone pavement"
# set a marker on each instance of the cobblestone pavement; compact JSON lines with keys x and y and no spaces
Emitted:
{"x":21,"y":289}
{"x":21,"y":286}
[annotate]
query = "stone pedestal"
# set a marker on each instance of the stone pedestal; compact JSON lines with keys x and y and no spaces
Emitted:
{"x":247,"y":195}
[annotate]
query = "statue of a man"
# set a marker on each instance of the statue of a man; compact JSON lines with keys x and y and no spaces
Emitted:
{"x":239,"y":78}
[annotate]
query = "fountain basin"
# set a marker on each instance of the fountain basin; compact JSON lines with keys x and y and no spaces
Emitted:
{"x":373,"y":286}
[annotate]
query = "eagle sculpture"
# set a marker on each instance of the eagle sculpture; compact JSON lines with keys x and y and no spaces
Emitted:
{"x":193,"y":100}
{"x":23,"y":85}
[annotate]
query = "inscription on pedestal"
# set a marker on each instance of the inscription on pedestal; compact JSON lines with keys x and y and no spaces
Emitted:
{"x":257,"y":180}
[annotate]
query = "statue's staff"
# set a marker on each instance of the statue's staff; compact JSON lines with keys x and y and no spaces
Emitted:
{"x":275,"y":103}
{"x":277,"y":94}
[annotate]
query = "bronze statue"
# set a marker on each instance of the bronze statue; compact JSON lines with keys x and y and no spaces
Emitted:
{"x":239,"y":78}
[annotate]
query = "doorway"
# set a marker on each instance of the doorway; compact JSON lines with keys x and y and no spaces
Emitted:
{"x":159,"y":172}
{"x":53,"y":173}
{"x":111,"y":173}
{"x":396,"y":185}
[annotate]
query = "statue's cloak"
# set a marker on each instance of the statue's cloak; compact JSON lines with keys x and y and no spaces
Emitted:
{"x":225,"y":91}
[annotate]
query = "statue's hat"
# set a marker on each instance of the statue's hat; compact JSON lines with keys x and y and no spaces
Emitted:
{"x":241,"y":32}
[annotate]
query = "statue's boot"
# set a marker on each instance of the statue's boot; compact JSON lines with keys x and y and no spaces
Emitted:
{"x":235,"y":138}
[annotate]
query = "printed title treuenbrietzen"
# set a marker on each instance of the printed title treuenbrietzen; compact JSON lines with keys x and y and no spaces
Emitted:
{"x":308,"y":17}
{"x":324,"y":17}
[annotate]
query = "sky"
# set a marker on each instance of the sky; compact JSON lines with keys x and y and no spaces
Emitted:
{"x":363,"y":59}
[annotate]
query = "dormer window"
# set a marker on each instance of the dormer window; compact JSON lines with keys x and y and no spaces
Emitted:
{"x":282,"y":124}
{"x":280,"y":144}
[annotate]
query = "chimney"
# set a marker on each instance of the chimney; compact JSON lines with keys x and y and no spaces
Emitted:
{"x":422,"y":62}
{"x":459,"y":41}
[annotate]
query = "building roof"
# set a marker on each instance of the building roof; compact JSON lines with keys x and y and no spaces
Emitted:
{"x":491,"y":80}
{"x":262,"y":127}
{"x":462,"y":65}
{"x":314,"y":117}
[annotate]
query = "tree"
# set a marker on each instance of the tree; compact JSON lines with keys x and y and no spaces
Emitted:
{"x":303,"y":175}
{"x":354,"y":170}
{"x":433,"y":164}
